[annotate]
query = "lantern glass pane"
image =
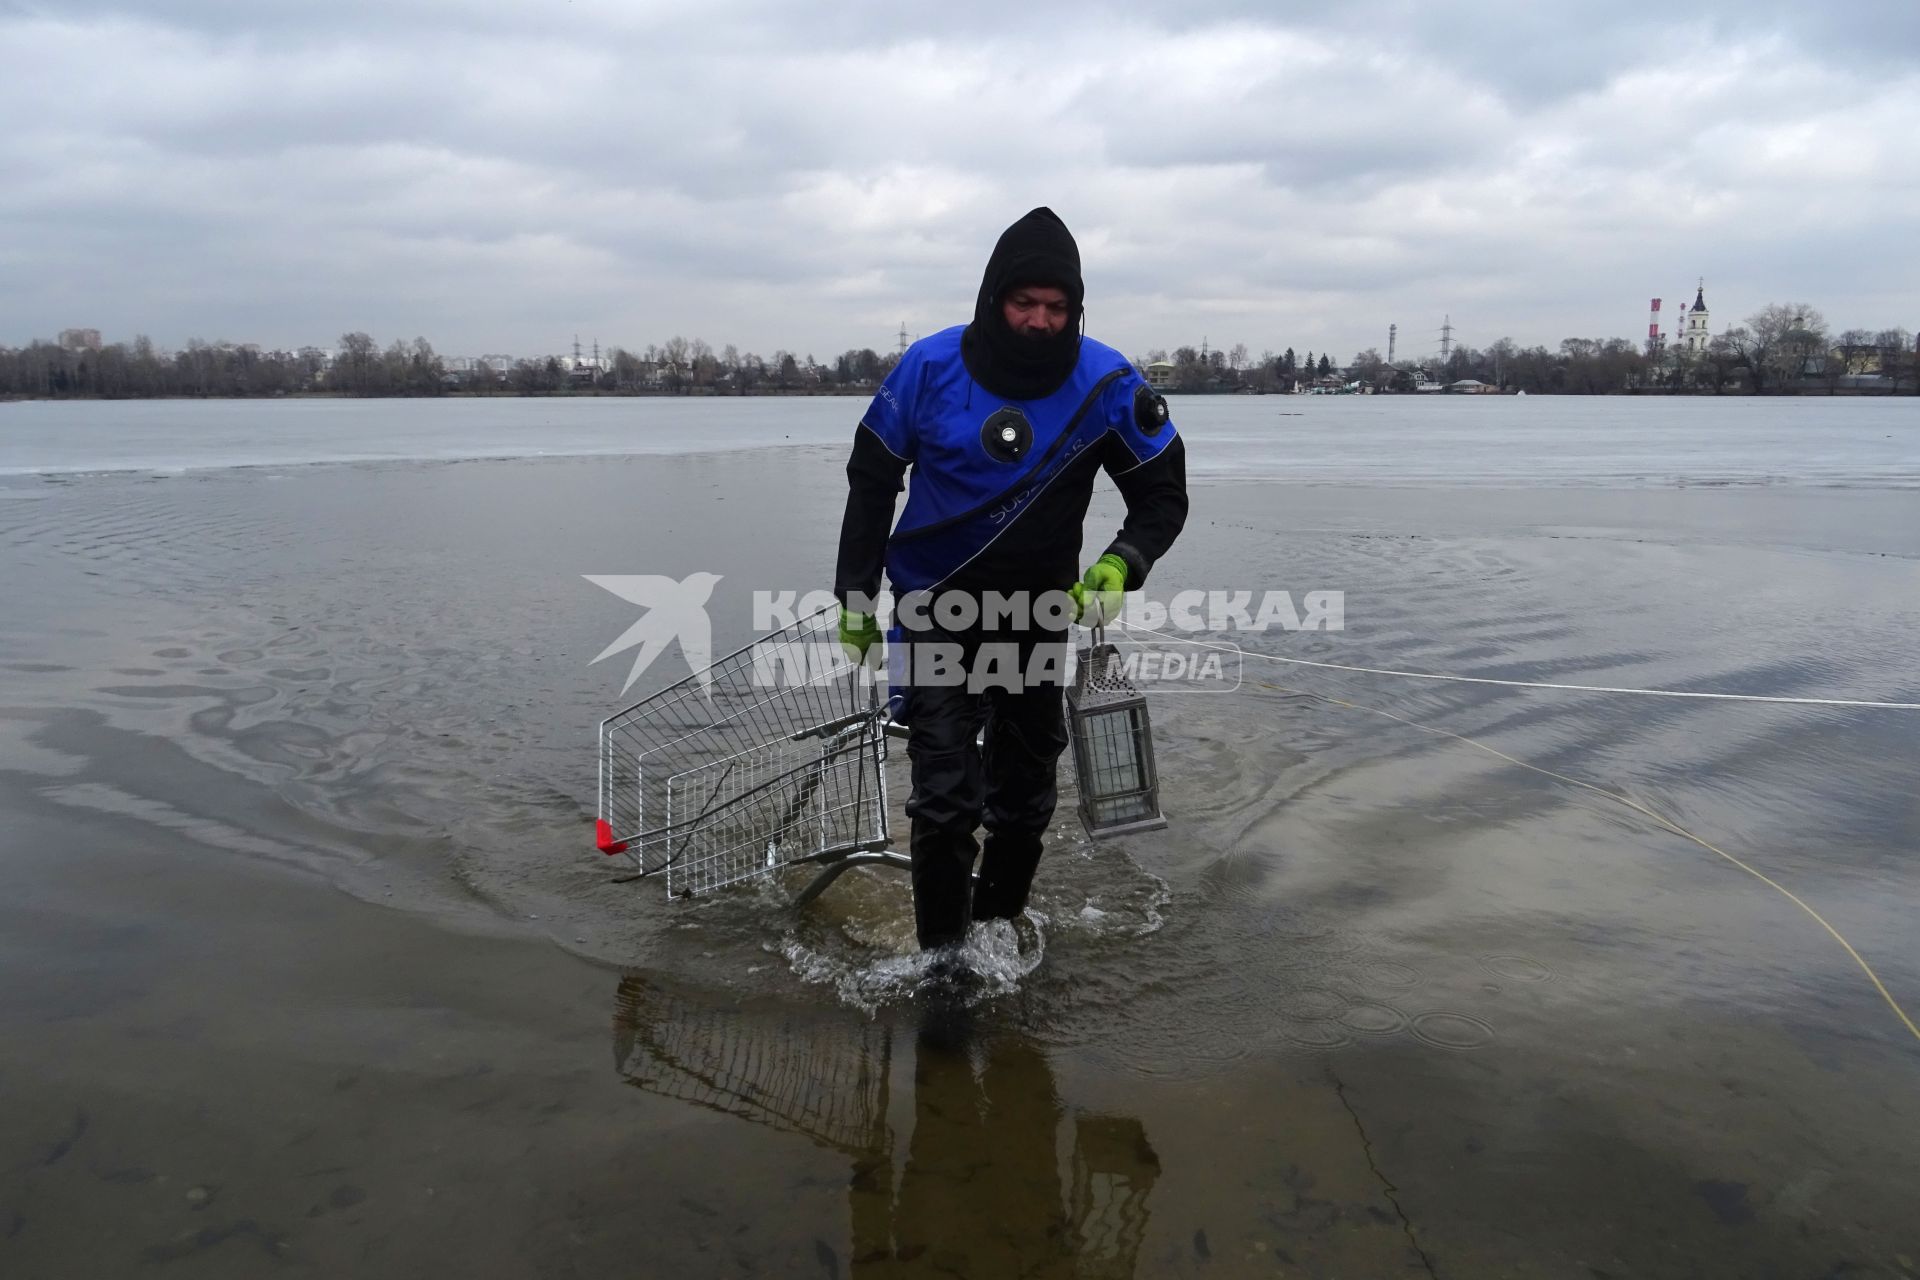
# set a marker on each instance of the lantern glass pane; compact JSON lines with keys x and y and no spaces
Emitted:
{"x":1113,"y":754}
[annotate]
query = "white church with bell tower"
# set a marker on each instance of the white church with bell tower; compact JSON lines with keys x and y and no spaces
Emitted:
{"x":1694,"y":337}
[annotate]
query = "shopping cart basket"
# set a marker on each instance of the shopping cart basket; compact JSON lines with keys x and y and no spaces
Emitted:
{"x":772,"y":757}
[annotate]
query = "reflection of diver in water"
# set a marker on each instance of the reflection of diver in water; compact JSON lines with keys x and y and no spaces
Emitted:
{"x":980,"y":1193}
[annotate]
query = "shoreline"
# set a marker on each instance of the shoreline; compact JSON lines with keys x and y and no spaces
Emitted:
{"x":1223,"y":478}
{"x":1798,"y":393}
{"x":1584,"y":443}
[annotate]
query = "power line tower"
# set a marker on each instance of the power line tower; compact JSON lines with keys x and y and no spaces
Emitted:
{"x":1393,"y":337}
{"x":1446,"y":338}
{"x":903,"y":337}
{"x":576,"y":348}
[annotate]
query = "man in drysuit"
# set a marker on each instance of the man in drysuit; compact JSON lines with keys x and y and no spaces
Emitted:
{"x":1002,"y":424}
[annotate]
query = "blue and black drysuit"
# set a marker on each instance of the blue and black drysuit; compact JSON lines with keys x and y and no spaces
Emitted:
{"x":1003,"y":437}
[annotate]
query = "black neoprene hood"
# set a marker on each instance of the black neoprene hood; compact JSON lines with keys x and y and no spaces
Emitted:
{"x":1036,"y":250}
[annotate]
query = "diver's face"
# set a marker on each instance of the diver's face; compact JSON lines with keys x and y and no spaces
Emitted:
{"x":1036,"y":311}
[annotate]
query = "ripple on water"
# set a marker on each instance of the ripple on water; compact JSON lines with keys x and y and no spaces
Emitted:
{"x":1518,"y":968}
{"x":1369,"y":1017}
{"x":1312,"y":1004}
{"x":1316,"y":1034}
{"x":1445,"y":1029}
{"x":1385,"y":973}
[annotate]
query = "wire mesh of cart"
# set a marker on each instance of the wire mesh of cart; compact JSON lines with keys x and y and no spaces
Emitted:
{"x":771,"y":757}
{"x":822,"y":1072}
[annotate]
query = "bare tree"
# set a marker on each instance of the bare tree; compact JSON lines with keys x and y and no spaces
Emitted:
{"x":1501,"y":353}
{"x":752,"y":372}
{"x":1897,"y":358}
{"x":1777,"y":343}
{"x":1855,"y":350}
{"x":626,"y":370}
{"x":1189,"y":372}
{"x":1682,"y":367}
{"x":355,"y":367}
{"x":1725,"y":354}
{"x":1843,"y":357}
{"x":675,"y":362}
{"x":705,"y":368}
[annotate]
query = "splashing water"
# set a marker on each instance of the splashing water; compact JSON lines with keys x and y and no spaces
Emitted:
{"x":997,"y":953}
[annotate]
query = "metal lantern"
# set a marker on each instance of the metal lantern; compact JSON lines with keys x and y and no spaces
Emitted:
{"x":1112,"y":745}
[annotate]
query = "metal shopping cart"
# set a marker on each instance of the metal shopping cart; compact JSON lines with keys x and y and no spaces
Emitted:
{"x":774,"y":756}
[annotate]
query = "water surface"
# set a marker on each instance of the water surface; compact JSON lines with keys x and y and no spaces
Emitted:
{"x":1368,"y":440}
{"x":1377,"y":1002}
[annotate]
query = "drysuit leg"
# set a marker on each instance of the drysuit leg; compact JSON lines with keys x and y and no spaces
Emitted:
{"x":948,"y":791}
{"x":1026,"y":732}
{"x":942,"y":884}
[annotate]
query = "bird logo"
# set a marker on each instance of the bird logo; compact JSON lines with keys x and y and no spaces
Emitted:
{"x":675,"y":610}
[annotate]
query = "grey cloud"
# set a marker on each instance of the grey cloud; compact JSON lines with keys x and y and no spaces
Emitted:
{"x":495,"y":175}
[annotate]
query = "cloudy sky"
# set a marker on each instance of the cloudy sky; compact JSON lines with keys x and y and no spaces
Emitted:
{"x":497,"y":175}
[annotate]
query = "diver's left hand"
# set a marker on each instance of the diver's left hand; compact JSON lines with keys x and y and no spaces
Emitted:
{"x":860,"y":638}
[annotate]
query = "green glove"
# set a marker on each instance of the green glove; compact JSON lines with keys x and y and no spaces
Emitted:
{"x":1097,"y":596}
{"x":859,"y":632}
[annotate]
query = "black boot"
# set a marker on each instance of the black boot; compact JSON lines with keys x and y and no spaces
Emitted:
{"x":1006,"y":875}
{"x":942,"y":884}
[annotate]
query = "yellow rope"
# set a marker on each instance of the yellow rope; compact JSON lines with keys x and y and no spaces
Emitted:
{"x":1668,"y":823}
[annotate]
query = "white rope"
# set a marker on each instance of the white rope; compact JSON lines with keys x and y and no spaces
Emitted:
{"x":1529,"y":684}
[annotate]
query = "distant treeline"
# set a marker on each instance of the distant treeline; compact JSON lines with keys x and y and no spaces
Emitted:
{"x":360,"y":367}
{"x":1780,"y":348}
{"x":139,"y":371}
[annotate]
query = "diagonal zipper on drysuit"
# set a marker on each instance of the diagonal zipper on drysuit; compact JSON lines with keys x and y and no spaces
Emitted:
{"x":1073,"y":424}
